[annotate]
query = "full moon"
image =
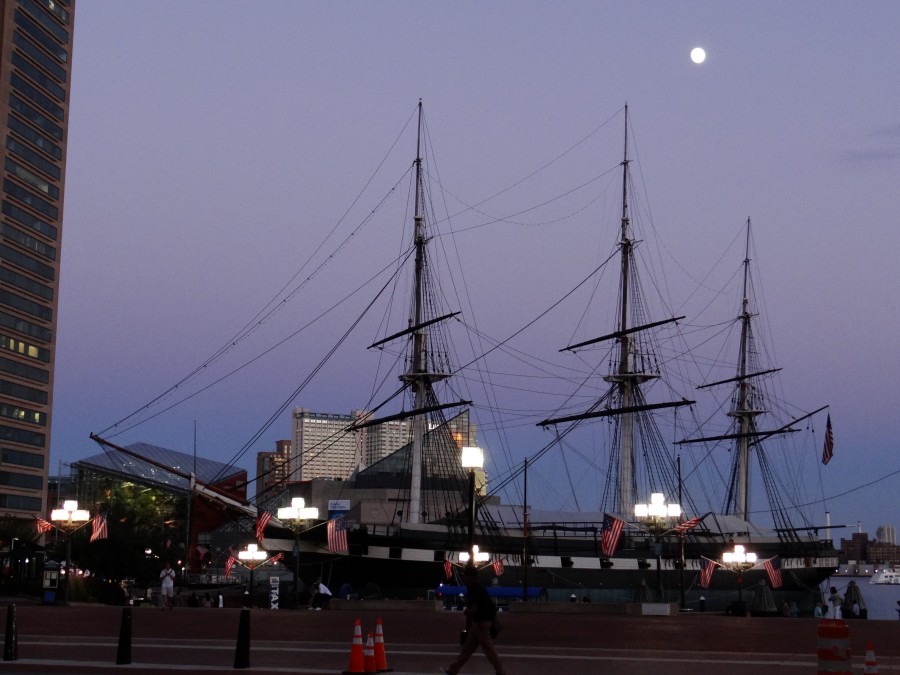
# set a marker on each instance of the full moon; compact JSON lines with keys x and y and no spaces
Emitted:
{"x":698,"y":55}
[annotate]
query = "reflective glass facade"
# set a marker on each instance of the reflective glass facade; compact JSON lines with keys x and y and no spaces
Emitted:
{"x":35,"y":72}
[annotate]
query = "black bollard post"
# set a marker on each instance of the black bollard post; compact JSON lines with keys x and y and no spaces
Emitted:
{"x":11,"y":646}
{"x":242,"y":651}
{"x":123,"y":655}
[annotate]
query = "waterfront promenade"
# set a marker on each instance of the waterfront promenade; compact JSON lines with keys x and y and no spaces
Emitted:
{"x":85,"y":639}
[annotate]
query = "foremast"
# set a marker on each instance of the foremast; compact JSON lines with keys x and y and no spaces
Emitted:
{"x":417,"y":376}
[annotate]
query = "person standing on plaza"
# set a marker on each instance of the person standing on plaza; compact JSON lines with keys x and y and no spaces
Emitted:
{"x":835,"y":599}
{"x":480,"y":613}
{"x":167,"y":585}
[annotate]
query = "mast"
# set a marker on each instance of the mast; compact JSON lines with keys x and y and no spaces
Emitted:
{"x":418,"y":364}
{"x":743,"y":410}
{"x":634,"y":365}
{"x":418,"y":377}
{"x":625,"y":379}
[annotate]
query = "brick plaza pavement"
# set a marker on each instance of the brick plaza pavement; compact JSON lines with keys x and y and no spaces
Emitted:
{"x":85,"y":639}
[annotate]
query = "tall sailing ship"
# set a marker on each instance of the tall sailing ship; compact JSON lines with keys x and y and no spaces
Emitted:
{"x":408,"y":518}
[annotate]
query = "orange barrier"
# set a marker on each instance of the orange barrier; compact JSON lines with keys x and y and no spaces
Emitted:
{"x":833,"y":647}
{"x":370,"y":655}
{"x":871,"y":664}
{"x":357,"y":660}
{"x":380,"y":656}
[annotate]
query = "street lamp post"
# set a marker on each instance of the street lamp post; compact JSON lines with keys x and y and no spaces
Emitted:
{"x":739,"y":561}
{"x":472,"y":458}
{"x":251,"y":556}
{"x":657,"y":517}
{"x":69,"y":518}
{"x":297,"y":515}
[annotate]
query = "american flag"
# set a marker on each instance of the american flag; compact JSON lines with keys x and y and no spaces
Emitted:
{"x":261,"y":521}
{"x":612,"y":530}
{"x":98,"y":527}
{"x":689,"y":524}
{"x":448,"y":569}
{"x":337,"y":537}
{"x":828,"y":450}
{"x":706,"y":572}
{"x":498,"y":567}
{"x":773,"y":569}
{"x":229,"y":564}
{"x":43,"y":525}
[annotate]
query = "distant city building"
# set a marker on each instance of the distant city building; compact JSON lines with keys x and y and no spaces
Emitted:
{"x":273,"y":469}
{"x":886,"y":534}
{"x":860,"y":549}
{"x":323,"y":448}
{"x":36,"y":66}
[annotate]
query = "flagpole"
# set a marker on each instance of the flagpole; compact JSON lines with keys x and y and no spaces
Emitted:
{"x":681,"y":538}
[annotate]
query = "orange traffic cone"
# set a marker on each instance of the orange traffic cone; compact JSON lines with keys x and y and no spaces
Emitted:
{"x":871,"y":664}
{"x":380,"y":657}
{"x":370,"y":655}
{"x":357,"y":660}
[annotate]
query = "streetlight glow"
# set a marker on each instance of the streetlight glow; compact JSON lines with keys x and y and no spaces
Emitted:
{"x":472,"y":457}
{"x":298,"y":511}
{"x":479,"y":555}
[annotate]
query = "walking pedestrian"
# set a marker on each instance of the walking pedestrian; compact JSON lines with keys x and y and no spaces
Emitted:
{"x":480,"y":614}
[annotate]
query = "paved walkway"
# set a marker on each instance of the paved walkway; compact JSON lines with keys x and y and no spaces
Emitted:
{"x":86,"y":640}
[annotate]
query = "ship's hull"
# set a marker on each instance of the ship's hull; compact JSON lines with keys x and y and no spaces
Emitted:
{"x":412,"y":564}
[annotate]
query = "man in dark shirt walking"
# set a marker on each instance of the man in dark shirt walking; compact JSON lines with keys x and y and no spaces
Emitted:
{"x":480,"y":611}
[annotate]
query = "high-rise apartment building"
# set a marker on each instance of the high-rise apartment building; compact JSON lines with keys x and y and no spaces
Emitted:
{"x":322,"y":448}
{"x":886,"y":534}
{"x":273,"y":469}
{"x":35,"y":74}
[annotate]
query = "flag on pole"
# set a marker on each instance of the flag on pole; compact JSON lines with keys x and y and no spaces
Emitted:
{"x":337,"y":537}
{"x":612,"y":530}
{"x":498,"y":567}
{"x":261,"y":521}
{"x":229,"y":564}
{"x":98,"y":527}
{"x":448,"y":569}
{"x":773,"y":569}
{"x":43,"y":525}
{"x":706,"y":572}
{"x":828,"y":450}
{"x":689,"y":524}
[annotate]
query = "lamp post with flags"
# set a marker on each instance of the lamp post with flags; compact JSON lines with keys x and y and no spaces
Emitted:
{"x":472,"y":458}
{"x":739,"y":561}
{"x":297,"y":516}
{"x":658,"y":517}
{"x":69,"y":518}
{"x":251,"y":557}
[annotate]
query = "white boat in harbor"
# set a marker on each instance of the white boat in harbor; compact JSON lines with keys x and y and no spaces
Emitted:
{"x":886,"y":577}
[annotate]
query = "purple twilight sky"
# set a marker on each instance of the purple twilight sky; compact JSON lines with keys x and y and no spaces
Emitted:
{"x":214,"y":145}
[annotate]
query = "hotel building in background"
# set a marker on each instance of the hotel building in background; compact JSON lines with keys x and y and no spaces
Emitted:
{"x":322,"y":448}
{"x":35,"y":75}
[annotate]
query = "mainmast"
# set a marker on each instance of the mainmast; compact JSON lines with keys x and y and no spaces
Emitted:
{"x":630,"y":372}
{"x":625,"y":379}
{"x":744,"y":411}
